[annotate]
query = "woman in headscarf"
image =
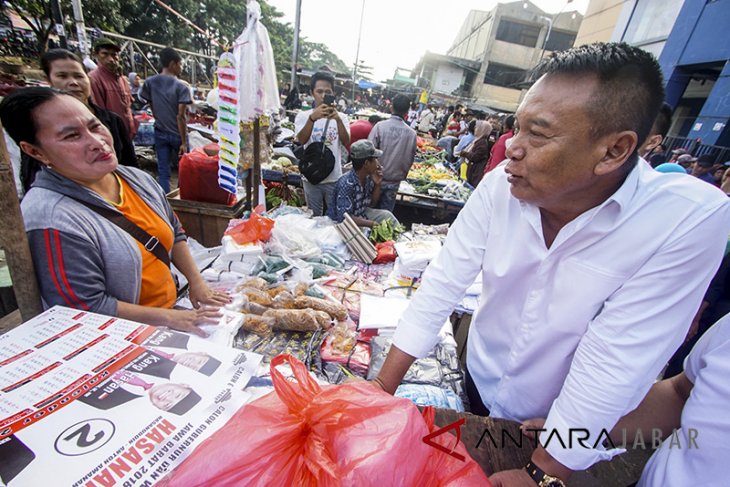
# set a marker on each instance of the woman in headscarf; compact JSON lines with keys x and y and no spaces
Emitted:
{"x":477,"y":154}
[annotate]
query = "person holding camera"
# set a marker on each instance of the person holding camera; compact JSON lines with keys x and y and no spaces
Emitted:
{"x":325,"y":125}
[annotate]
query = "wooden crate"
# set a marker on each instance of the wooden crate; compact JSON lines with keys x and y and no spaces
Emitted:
{"x":205,"y":222}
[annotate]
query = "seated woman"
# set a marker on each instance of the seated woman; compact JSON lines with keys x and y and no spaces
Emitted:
{"x":477,"y":154}
{"x":82,"y":259}
{"x":358,"y":190}
{"x":65,"y":71}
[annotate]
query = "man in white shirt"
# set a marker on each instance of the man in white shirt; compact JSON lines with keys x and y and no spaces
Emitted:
{"x":593,"y":264}
{"x":309,"y":127}
{"x":426,"y":120}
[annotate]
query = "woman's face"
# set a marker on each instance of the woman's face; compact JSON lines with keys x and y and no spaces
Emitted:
{"x":72,"y":141}
{"x":69,"y":76}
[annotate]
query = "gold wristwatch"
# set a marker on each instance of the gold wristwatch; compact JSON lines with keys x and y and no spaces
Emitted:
{"x":541,"y":478}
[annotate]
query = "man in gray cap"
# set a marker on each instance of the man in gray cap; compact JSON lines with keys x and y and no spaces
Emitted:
{"x":358,"y":190}
{"x":703,"y":168}
{"x":109,"y":89}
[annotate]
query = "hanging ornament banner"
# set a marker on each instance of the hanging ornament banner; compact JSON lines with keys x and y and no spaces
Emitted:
{"x":229,"y":137}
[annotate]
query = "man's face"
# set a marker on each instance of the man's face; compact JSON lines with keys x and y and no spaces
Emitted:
{"x":109,"y":58}
{"x":321,"y":88}
{"x":192,"y":360}
{"x":166,"y":396}
{"x":700,"y":170}
{"x":553,"y":153}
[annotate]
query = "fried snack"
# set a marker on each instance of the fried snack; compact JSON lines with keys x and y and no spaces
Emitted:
{"x":255,"y":308}
{"x":335,"y":310}
{"x":293,"y":319}
{"x":256,"y":296}
{"x":283,"y":300}
{"x":254,"y":282}
{"x":301,"y":289}
{"x":323,"y":319}
{"x":261,"y":325}
{"x":275,"y":291}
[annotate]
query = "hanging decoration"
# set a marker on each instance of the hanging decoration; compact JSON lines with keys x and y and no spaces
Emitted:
{"x":229,"y":137}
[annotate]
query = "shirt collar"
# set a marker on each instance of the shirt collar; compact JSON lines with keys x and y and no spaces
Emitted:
{"x":627,"y":190}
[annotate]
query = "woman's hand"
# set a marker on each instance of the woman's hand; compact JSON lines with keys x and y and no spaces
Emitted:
{"x":201,"y":294}
{"x":188,"y":320}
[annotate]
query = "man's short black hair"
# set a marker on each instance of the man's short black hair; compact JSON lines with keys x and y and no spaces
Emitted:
{"x":169,"y":55}
{"x":401,"y":103}
{"x":54,"y":55}
{"x":509,"y":122}
{"x":322,"y":76}
{"x":663,"y":120}
{"x":373,"y":119}
{"x":472,"y":126}
{"x":630,"y":89}
{"x":17,"y":111}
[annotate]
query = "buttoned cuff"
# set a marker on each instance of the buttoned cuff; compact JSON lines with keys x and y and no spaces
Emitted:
{"x":414,"y":340}
{"x":568,"y":444}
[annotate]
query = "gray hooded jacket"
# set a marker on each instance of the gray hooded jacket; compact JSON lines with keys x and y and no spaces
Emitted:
{"x":81,"y":259}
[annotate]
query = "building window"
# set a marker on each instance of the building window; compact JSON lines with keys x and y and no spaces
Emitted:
{"x":559,"y":41}
{"x":517,"y":33}
{"x":503,"y":75}
{"x":651,"y":20}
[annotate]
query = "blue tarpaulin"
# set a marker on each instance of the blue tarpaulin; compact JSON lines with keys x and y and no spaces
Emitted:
{"x":366,"y":85}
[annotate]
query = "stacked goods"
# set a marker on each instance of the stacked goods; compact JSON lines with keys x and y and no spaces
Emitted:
{"x":356,"y":241}
{"x":284,"y":307}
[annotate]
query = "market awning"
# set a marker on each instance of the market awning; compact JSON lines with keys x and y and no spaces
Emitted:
{"x":366,"y":85}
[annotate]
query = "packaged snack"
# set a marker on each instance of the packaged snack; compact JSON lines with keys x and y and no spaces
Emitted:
{"x":261,"y":325}
{"x":256,"y":296}
{"x":301,"y":289}
{"x":253,"y":282}
{"x":284,"y":300}
{"x":275,"y":291}
{"x":335,"y":310}
{"x":294,"y":319}
{"x":323,"y":319}
{"x":255,"y":308}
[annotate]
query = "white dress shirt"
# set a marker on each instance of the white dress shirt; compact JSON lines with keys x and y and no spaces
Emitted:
{"x":705,"y":418}
{"x":578,"y":332}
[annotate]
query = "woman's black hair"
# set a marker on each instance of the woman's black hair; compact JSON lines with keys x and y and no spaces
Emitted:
{"x":16,"y":111}
{"x":56,"y":54}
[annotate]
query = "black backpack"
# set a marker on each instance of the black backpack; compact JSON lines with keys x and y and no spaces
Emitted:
{"x":317,"y":161}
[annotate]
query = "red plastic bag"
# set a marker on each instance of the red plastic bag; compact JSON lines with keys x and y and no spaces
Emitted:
{"x":256,"y":229}
{"x":304,"y":434}
{"x":386,"y":252}
{"x":198,"y":177}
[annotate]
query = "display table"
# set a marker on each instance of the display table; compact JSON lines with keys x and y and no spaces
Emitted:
{"x":493,"y":457}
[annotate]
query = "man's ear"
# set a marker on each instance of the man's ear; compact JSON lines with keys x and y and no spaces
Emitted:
{"x":651,"y":143}
{"x":618,"y":148}
{"x":35,"y":152}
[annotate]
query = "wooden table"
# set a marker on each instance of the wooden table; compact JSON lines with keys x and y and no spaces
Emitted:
{"x":492,"y":457}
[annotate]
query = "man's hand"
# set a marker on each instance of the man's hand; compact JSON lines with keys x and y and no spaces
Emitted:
{"x":321,"y":111}
{"x":202,"y":294}
{"x":189,"y":320}
{"x":511,"y":478}
{"x":182,"y":151}
{"x":378,"y":176}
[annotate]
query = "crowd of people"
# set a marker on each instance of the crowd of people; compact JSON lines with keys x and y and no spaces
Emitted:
{"x":598,"y":269}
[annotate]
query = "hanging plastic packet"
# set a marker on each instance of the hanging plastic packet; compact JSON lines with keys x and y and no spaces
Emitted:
{"x":228,"y":134}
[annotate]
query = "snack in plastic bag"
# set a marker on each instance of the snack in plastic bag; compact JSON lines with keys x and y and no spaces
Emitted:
{"x":254,"y":282}
{"x":301,"y":289}
{"x":256,"y":296}
{"x":275,"y":291}
{"x":255,"y":308}
{"x":261,"y":325}
{"x":308,"y":435}
{"x":323,"y":319}
{"x":294,"y":319}
{"x":284,"y":300}
{"x":335,"y":310}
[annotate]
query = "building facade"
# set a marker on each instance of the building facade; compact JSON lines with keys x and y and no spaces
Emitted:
{"x":507,"y":42}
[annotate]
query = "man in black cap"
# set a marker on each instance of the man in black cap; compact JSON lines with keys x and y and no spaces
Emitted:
{"x":109,"y":88}
{"x":358,"y":191}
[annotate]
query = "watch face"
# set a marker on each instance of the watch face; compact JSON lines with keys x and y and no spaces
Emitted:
{"x":552,"y":482}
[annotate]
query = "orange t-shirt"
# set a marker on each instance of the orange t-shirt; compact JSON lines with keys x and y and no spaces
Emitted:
{"x":158,"y":287}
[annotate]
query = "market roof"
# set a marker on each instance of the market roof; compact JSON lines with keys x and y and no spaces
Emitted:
{"x":442,"y":58}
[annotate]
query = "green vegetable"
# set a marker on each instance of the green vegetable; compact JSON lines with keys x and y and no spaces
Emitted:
{"x":384,"y":231}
